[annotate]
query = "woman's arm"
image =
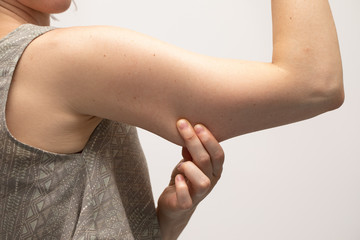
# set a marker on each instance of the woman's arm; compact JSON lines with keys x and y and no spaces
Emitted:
{"x":118,"y":74}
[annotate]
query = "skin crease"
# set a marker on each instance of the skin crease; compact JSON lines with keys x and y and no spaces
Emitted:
{"x":298,"y":84}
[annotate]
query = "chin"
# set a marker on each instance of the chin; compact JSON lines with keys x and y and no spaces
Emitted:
{"x":57,"y":6}
{"x":47,"y":6}
{"x":62,"y":6}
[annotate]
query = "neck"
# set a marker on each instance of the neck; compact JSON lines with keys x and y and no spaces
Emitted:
{"x":15,"y":14}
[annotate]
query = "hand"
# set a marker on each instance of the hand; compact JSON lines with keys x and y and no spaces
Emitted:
{"x":192,"y":179}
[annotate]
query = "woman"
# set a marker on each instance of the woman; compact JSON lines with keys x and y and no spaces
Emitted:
{"x":68,"y":81}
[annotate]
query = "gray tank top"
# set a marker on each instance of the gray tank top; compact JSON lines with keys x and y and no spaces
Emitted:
{"x":103,"y":192}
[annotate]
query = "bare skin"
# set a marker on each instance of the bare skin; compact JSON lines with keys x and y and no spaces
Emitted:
{"x":135,"y":79}
{"x":192,"y":179}
{"x":235,"y":97}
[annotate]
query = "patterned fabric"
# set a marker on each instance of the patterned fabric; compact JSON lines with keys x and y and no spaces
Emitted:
{"x":103,"y":192}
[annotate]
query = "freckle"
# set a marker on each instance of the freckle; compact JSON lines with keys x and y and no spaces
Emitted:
{"x":290,"y":18}
{"x":134,"y":97}
{"x":104,"y":55}
{"x":154,"y":55}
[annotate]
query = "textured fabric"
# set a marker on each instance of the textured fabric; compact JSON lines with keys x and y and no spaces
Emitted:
{"x":103,"y":192}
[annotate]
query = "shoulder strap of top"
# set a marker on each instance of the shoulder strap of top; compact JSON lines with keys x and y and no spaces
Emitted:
{"x":14,"y":44}
{"x":12,"y":47}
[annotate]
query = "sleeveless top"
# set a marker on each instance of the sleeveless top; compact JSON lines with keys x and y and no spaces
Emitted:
{"x":103,"y":192}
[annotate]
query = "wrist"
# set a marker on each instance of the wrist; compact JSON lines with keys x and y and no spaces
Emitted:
{"x":173,"y":223}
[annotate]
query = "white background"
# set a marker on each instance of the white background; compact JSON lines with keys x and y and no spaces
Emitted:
{"x":300,"y":181}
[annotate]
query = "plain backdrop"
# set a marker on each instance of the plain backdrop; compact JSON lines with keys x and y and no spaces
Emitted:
{"x":300,"y":181}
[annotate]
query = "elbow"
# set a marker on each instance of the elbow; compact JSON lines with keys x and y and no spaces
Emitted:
{"x":335,"y":91}
{"x":336,"y":98}
{"x":329,"y":90}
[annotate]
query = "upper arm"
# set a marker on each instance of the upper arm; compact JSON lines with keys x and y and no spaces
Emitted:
{"x":125,"y":76}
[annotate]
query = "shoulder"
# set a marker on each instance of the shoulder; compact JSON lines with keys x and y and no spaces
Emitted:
{"x":111,"y":52}
{"x":39,"y":111}
{"x":92,"y":40}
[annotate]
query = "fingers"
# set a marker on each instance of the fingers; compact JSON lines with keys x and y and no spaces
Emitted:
{"x":202,"y":148}
{"x":199,"y":183}
{"x":193,"y":144}
{"x":213,"y":147}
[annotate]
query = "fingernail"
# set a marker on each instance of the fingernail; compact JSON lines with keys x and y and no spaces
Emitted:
{"x":179,"y":164}
{"x":182,"y":124}
{"x":180,"y":178}
{"x":198,"y":129}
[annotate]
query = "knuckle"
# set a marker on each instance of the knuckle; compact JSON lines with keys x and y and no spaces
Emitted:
{"x":219,"y":155}
{"x":203,"y":158}
{"x":185,"y":205}
{"x":218,"y":175}
{"x":185,"y":164}
{"x":205,"y":184}
{"x":189,"y":137}
{"x":205,"y":138}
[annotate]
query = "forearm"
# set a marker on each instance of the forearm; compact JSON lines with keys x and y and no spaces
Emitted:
{"x":303,"y":80}
{"x":306,"y":43}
